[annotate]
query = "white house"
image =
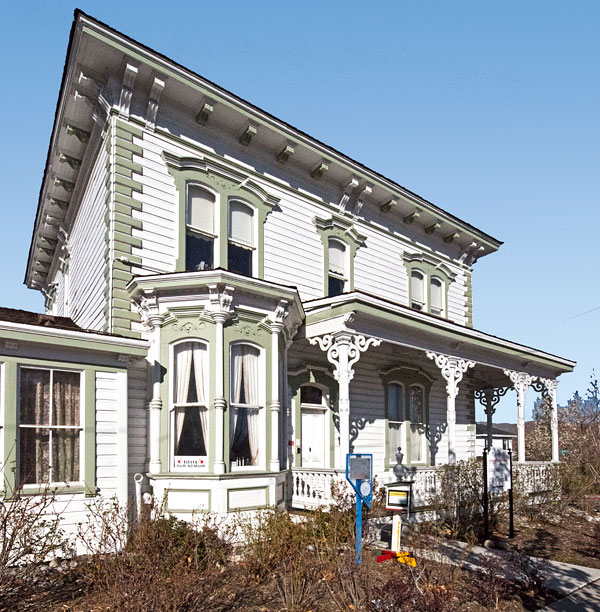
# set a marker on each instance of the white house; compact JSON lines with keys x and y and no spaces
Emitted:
{"x":244,"y":305}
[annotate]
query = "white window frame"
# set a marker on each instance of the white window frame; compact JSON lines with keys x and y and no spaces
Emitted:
{"x":172,"y":405}
{"x":424,"y":306}
{"x":345,"y":277}
{"x":262,"y":425}
{"x":216,"y":219}
{"x":423,"y":436}
{"x":442,"y":312}
{"x":403,"y":445}
{"x":81,"y":427}
{"x":255,"y":233}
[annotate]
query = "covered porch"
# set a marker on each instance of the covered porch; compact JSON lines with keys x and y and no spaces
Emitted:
{"x":389,"y":360}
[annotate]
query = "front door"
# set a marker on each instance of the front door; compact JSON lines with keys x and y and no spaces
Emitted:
{"x":313,"y":437}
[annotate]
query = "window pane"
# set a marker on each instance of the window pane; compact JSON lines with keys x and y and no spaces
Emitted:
{"x":239,"y":259}
{"x":436,"y":296}
{"x":416,"y":443}
{"x":200,"y":209}
{"x":394,"y":441}
{"x":337,"y":258}
{"x":66,"y":396}
{"x":416,"y":404}
{"x":311,"y":395}
{"x":240,"y":223}
{"x":417,"y":289}
{"x":34,"y":455}
{"x":198,"y":252}
{"x":190,"y":373}
{"x":395,"y":402}
{"x":244,"y":436}
{"x":65,"y":455}
{"x":244,"y":374}
{"x":35,"y":397}
{"x":189,"y":435}
{"x":336,"y":286}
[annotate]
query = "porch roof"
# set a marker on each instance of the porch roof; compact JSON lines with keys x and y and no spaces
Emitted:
{"x":379,"y":318}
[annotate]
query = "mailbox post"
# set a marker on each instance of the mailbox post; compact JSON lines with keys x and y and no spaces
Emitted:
{"x":398,"y":500}
{"x":359,"y":473}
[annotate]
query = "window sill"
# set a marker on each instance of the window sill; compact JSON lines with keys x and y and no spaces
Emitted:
{"x":57,"y":489}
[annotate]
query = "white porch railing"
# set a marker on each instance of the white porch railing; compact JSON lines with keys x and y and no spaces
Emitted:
{"x":312,"y":487}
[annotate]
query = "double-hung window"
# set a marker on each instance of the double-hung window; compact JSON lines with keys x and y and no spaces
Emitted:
{"x":241,"y":243}
{"x":396,"y":419}
{"x":190,"y":405}
{"x":436,"y":294}
{"x":427,"y":293}
{"x":49,"y":426}
{"x":417,"y":290}
{"x":245,"y":404}
{"x":417,"y":424}
{"x":200,"y":229}
{"x":337,"y":277}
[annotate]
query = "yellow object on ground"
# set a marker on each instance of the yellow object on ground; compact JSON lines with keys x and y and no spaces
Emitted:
{"x":404,"y":557}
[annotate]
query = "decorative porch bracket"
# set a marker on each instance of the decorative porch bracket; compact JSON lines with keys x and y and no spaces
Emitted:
{"x":521,"y":383}
{"x":343,"y":351}
{"x":548,"y":386}
{"x":489,"y":398}
{"x":453,"y":369}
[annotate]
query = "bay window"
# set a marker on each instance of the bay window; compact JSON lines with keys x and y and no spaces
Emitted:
{"x":190,"y":404}
{"x":245,"y":405}
{"x":49,"y":426}
{"x":241,"y":244}
{"x":200,"y":229}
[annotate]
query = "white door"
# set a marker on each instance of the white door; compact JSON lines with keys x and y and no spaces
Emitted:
{"x":313,"y":438}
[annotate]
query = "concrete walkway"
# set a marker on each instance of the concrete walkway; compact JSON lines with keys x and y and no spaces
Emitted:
{"x":579,"y":586}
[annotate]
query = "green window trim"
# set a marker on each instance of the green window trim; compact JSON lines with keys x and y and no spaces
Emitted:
{"x":10,"y":410}
{"x":227,"y":185}
{"x":407,"y":376}
{"x":321,"y":378}
{"x":341,"y":229}
{"x":430,"y":268}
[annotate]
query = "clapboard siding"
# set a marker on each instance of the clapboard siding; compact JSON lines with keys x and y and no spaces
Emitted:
{"x":87,"y":245}
{"x":137,"y":397}
{"x":106,"y":433}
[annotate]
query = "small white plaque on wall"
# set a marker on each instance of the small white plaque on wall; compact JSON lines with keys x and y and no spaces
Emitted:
{"x":188,"y":501}
{"x":238,"y":499}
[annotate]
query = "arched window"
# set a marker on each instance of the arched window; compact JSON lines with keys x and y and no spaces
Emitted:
{"x":395,"y":396}
{"x":417,"y":290}
{"x":245,"y":404}
{"x":417,"y":424}
{"x":190,"y":404}
{"x":241,"y":238}
{"x":436,"y":294}
{"x":337,"y":272}
{"x":200,"y":230}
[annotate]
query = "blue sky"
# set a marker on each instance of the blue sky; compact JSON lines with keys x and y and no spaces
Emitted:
{"x":490,"y":110}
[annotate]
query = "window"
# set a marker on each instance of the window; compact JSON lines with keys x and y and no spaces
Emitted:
{"x":190,"y":404}
{"x":417,"y":290}
{"x":406,"y":397}
{"x":337,"y":277}
{"x":244,"y":423}
{"x":49,"y":426}
{"x":437,"y":296}
{"x":241,"y":238}
{"x":395,"y":420}
{"x":200,"y":229}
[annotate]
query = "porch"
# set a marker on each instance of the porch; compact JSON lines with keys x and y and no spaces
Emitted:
{"x":313,"y":487}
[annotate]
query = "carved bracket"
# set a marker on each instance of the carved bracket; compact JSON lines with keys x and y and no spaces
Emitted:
{"x":452,"y":368}
{"x":489,"y":398}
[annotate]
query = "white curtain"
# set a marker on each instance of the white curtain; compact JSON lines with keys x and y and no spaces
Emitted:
{"x":240,"y":223}
{"x":417,"y":286}
{"x":337,"y":257}
{"x":436,"y":294}
{"x":200,"y":372}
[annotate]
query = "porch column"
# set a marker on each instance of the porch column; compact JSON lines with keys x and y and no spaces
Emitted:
{"x":276,"y":326}
{"x":521,"y":383}
{"x":551,"y":390}
{"x":343,"y":351}
{"x":219,"y":310}
{"x":489,"y":398}
{"x":452,"y":369}
{"x":148,"y":308}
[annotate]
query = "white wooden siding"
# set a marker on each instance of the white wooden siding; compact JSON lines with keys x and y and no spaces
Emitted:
{"x":87,"y":245}
{"x":106,"y":433}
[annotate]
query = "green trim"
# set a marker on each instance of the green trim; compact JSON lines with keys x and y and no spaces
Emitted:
{"x":219,"y":181}
{"x":407,"y":376}
{"x":88,"y":380}
{"x":9,"y":430}
{"x":342,"y":230}
{"x":191,"y":492}
{"x":243,"y":508}
{"x":316,"y":376}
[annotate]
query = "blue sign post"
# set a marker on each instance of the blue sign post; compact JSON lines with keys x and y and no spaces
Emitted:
{"x":359,"y":473}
